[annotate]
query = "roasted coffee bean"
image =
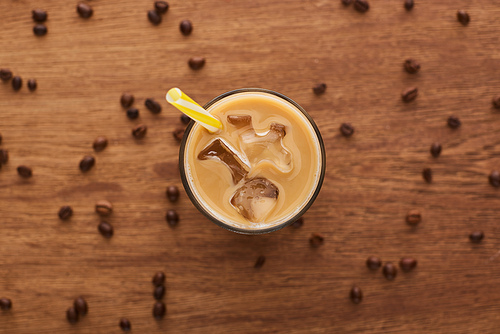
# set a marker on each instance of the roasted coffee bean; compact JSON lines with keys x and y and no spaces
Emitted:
{"x":104,"y":208}
{"x":139,"y":131}
{"x":161,"y":7}
{"x":80,"y":305}
{"x":0,"y":143}
{"x":476,"y":236}
{"x":298,"y":223}
{"x":316,"y":240}
{"x":463,"y":17}
{"x":158,"y":278}
{"x":409,"y":4}
{"x":427,"y":175}
{"x":87,"y":163}
{"x":411,"y":66}
{"x":390,"y":271}
{"x":356,"y":295}
{"x":4,"y":156}
{"x":172,"y":193}
{"x":159,"y":310}
{"x":72,"y":315}
{"x":413,"y":217}
{"x":125,"y":324}
{"x":186,"y":27}
{"x":196,"y":63}
{"x":100,"y":143}
{"x":495,"y":101}
{"x":319,"y":89}
{"x":373,"y":263}
{"x":40,"y":30}
{"x":346,"y":2}
{"x":105,"y":229}
{"x":494,"y":178}
{"x":126,"y":100}
{"x":24,"y":171}
{"x":454,"y":122}
{"x":39,"y":15}
{"x":346,"y":129}
{"x":407,"y":264}
{"x":260,"y":262}
{"x":154,"y":17}
{"x":5,"y":74}
{"x":65,"y":212}
{"x":436,"y":149}
{"x":172,"y":218}
{"x":84,"y":10}
{"x":409,"y":94}
{"x":185,"y":119}
{"x":32,"y":85}
{"x":178,"y":133}
{"x":361,"y":5}
{"x":17,"y":83}
{"x":153,"y":106}
{"x":132,"y":113}
{"x":159,"y":292}
{"x":5,"y":304}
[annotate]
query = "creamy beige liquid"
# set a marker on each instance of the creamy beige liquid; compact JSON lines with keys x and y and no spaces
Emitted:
{"x":295,"y":170}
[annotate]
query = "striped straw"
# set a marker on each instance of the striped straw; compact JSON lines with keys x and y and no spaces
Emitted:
{"x":184,"y":103}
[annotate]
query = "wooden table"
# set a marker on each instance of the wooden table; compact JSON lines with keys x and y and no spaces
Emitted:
{"x":373,"y":178}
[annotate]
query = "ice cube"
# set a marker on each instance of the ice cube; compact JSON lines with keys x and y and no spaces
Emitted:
{"x":239,"y":121}
{"x":218,"y":150}
{"x":255,"y":199}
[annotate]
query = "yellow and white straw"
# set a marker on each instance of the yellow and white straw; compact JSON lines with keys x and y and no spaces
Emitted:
{"x":184,"y":103}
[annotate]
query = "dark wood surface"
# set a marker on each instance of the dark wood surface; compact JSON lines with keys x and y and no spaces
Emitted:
{"x":372,"y":180}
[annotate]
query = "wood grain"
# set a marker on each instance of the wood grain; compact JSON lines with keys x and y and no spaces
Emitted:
{"x":373,"y":178}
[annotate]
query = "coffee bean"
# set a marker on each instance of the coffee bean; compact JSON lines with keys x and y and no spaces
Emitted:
{"x":411,"y":66}
{"x":409,"y":94}
{"x":39,"y":15}
{"x":476,"y":236}
{"x":356,"y":295}
{"x":454,"y":122}
{"x":4,"y":156}
{"x":0,"y":143}
{"x":186,"y":27}
{"x":494,"y":178}
{"x":103,"y":208}
{"x":5,"y":304}
{"x":161,"y":7}
{"x":72,"y":315}
{"x":5,"y":74}
{"x":178,"y":133}
{"x":316,"y":240}
{"x":24,"y":171}
{"x":40,"y":30}
{"x":319,"y":89}
{"x":159,"y":310}
{"x":172,"y":193}
{"x":463,"y":17}
{"x":196,"y":63}
{"x":154,"y":17}
{"x":361,"y":5}
{"x":298,"y":223}
{"x":427,"y":175}
{"x":389,"y":271}
{"x":126,"y":100}
{"x":172,"y":218}
{"x":84,"y":10}
{"x":125,"y":324}
{"x":185,"y":119}
{"x":407,"y":264}
{"x":153,"y":106}
{"x":409,"y":4}
{"x":100,"y":143}
{"x":159,"y":292}
{"x":413,"y":217}
{"x":346,"y":2}
{"x":105,"y":229}
{"x":80,"y":305}
{"x":495,"y":101}
{"x":260,"y":262}
{"x":373,"y":263}
{"x":65,"y":212}
{"x":139,"y":131}
{"x":346,"y":129}
{"x":132,"y":113}
{"x":436,"y":149}
{"x":32,"y":85}
{"x":87,"y":163}
{"x":17,"y":83}
{"x":158,"y":278}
